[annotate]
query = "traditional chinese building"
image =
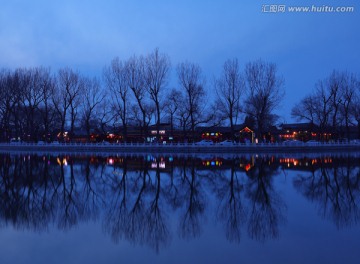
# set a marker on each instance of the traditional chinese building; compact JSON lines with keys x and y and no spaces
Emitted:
{"x":299,"y":131}
{"x":242,"y":134}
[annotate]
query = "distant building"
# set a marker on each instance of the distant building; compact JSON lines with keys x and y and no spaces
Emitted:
{"x":299,"y":131}
{"x":311,"y":131}
{"x":242,"y":133}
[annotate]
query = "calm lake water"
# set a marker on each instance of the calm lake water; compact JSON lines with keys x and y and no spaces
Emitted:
{"x":179,"y":209}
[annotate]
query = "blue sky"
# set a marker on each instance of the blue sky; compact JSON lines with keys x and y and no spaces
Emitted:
{"x":87,"y":34}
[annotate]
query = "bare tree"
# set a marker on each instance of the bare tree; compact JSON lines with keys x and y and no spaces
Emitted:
{"x":355,"y":109}
{"x":157,"y":69}
{"x":136,"y":81}
{"x":192,"y":83}
{"x":67,"y":97}
{"x":46,"y":108}
{"x":305,"y":109}
{"x":8,"y":101}
{"x":264,"y":93}
{"x":5,"y":103}
{"x":315,"y":108}
{"x":323,"y":107}
{"x":183,"y":117}
{"x":332,"y":104}
{"x":335,"y":85}
{"x":31,"y":97}
{"x":93,"y":96}
{"x":172,"y":105}
{"x":17,"y":83}
{"x":349,"y":88}
{"x":116,"y":77}
{"x":228,"y":88}
{"x":104,"y":116}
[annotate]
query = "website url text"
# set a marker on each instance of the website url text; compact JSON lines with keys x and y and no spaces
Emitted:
{"x":306,"y":9}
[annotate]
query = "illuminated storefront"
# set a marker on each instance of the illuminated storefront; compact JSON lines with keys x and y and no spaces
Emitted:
{"x":246,"y":135}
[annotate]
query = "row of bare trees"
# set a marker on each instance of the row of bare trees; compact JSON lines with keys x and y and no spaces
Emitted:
{"x":35,"y":103}
{"x":334,"y":103}
{"x":260,"y":87}
{"x":135,"y":92}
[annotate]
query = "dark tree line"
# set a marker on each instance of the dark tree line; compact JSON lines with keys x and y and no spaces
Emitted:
{"x":36,"y":103}
{"x":334,"y":103}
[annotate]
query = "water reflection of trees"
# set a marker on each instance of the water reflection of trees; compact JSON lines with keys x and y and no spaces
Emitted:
{"x":266,"y":205}
{"x":335,"y":188}
{"x":137,"y":199}
{"x":231,"y":209}
{"x":36,"y":191}
{"x":192,"y":200}
{"x":135,"y":209}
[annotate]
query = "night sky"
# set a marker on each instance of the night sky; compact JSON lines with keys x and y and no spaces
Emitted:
{"x":86,"y":34}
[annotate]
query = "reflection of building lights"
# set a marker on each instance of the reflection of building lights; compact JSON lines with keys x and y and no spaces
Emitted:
{"x":161,"y":132}
{"x":208,"y":163}
{"x":297,"y":162}
{"x":62,"y":162}
{"x":161,"y":164}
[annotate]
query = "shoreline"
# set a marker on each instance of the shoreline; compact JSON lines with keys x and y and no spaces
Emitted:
{"x":180,"y":148}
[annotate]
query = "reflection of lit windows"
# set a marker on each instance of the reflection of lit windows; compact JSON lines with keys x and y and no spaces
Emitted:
{"x":62,"y":162}
{"x":209,"y":163}
{"x":154,"y":132}
{"x":162,"y":165}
